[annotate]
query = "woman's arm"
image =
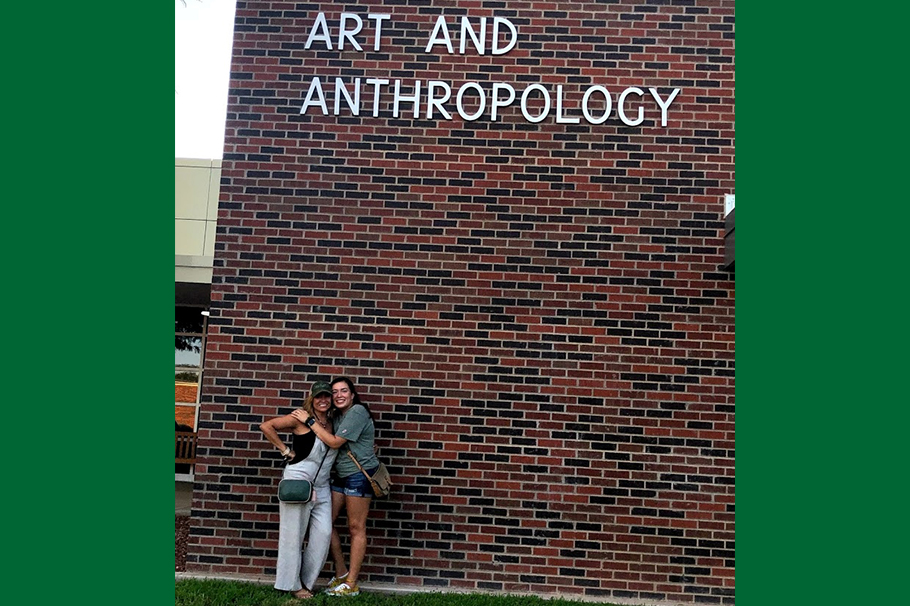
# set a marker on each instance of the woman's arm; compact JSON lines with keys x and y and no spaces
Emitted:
{"x":271,"y":427}
{"x":327,"y":437}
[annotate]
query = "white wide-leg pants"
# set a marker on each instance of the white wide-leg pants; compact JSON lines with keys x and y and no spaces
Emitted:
{"x":295,"y":568}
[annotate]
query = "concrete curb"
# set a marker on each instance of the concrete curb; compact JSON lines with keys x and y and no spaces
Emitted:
{"x":409,"y":589}
{"x":268,"y":580}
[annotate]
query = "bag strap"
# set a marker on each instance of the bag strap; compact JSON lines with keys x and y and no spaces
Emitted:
{"x":357,"y":463}
{"x":316,"y":475}
{"x":324,"y":455}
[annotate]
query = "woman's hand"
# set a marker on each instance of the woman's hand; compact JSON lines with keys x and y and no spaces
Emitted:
{"x":301,"y":415}
{"x":289,"y":457}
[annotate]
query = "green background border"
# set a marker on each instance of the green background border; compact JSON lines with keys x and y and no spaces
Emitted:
{"x":88,"y":299}
{"x":820,"y":333}
{"x":821,"y":462}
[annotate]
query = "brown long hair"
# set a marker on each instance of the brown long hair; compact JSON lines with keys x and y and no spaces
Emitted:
{"x":308,"y":405}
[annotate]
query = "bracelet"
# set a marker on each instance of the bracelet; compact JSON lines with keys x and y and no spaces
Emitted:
{"x":286,"y":451}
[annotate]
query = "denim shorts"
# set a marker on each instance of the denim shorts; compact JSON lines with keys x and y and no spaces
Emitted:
{"x":355,"y":485}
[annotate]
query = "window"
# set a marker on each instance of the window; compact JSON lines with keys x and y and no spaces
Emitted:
{"x":189,"y":350}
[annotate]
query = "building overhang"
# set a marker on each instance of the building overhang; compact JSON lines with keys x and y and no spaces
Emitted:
{"x":193,"y":269}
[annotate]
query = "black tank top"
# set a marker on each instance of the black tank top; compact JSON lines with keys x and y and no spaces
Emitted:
{"x":303,"y":446}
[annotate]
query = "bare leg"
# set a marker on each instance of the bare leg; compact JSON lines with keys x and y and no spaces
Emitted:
{"x":357,"y":508}
{"x":335,"y":548}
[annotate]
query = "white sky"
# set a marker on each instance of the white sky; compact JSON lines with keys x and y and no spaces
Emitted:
{"x":203,"y":35}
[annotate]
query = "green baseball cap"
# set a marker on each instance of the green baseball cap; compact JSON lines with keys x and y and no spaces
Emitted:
{"x":320,"y":387}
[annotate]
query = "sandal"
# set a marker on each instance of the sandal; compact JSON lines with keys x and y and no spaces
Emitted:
{"x":303,"y":594}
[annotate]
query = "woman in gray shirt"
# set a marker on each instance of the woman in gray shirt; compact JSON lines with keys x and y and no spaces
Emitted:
{"x":351,"y":490}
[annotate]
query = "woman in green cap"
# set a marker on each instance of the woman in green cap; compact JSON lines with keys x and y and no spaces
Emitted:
{"x":308,"y":458}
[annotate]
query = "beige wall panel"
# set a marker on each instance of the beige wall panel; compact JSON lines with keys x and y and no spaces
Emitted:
{"x":209,"y":247}
{"x":191,"y":192}
{"x":196,"y":186}
{"x":214,"y":188}
{"x":189,"y":237}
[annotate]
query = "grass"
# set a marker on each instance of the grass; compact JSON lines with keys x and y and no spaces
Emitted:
{"x":211,"y":592}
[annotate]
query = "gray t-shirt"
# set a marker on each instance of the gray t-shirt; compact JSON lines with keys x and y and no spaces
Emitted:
{"x":357,"y":428}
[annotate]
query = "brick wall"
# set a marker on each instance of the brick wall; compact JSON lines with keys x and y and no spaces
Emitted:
{"x":534,"y":310}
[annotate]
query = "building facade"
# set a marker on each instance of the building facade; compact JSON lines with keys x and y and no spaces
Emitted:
{"x":196,"y":188}
{"x":506,"y":222}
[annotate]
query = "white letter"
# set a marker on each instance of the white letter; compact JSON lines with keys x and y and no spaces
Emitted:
{"x":663,"y":106}
{"x":437,"y":103}
{"x":353,"y":104}
{"x":584,"y":105}
{"x":415,"y":98}
{"x":349,"y":33}
{"x":377,"y":83}
{"x":483,"y":101}
{"x":559,"y":117}
{"x":316,"y":87}
{"x":514,"y":39}
{"x":378,"y":18}
{"x":498,"y":86}
{"x":622,"y":112}
{"x":324,"y":36}
{"x":440,"y":25}
{"x":524,"y":100}
{"x":480,"y":43}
